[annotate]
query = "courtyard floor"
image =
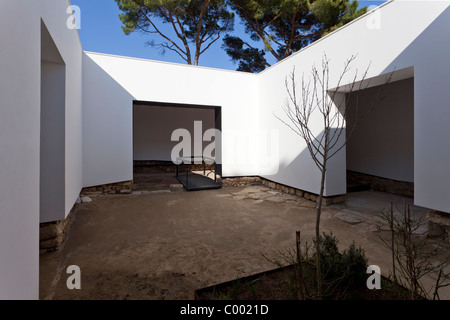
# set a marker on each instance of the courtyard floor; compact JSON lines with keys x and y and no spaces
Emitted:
{"x":158,"y":244}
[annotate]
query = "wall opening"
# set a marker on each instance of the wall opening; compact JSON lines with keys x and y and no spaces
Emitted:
{"x":380,"y":152}
{"x":52,"y":133}
{"x":153,"y":125}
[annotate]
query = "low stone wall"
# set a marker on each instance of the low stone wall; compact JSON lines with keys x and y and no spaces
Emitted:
{"x":401,"y":188}
{"x":51,"y":234}
{"x":124,"y":187}
{"x":326,"y":201}
{"x":244,"y":181}
{"x":240,"y":181}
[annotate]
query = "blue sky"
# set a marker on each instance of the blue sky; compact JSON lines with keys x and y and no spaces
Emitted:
{"x":101,"y":32}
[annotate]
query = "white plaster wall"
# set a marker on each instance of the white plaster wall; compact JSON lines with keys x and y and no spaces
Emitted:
{"x":107,"y":128}
{"x":19,"y":152}
{"x":384,"y":39}
{"x":111,"y":84}
{"x":153,"y":127}
{"x":383,"y":144}
{"x":20,"y":132}
{"x":432,"y":114}
{"x":55,"y":16}
{"x":52,"y":150}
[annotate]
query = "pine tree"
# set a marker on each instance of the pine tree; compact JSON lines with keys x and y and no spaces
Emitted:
{"x":284,"y":27}
{"x":197,"y":24}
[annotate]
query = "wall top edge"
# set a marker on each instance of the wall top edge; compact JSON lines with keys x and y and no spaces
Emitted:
{"x":169,"y":63}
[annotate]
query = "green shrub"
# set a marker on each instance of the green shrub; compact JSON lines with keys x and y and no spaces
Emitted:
{"x":341,"y":271}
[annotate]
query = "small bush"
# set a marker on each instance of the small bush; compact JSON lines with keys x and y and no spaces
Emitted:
{"x":342,"y":272}
{"x":354,"y":266}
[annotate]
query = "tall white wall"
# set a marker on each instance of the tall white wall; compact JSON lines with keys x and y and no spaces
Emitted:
{"x":383,"y":143}
{"x":20,"y":77}
{"x":111,"y":84}
{"x":107,"y":127}
{"x":54,"y":15}
{"x":430,"y":52}
{"x":153,"y":127}
{"x":19,"y":152}
{"x":52,"y":141}
{"x":387,"y":41}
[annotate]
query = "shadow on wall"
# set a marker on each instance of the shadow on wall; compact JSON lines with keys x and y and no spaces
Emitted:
{"x":431,"y":112}
{"x":302,"y":173}
{"x":107,"y":127}
{"x":383,"y":144}
{"x":52,"y":130}
{"x":431,"y":37}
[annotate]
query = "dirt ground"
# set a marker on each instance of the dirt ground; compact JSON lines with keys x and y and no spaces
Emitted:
{"x":165,"y":245}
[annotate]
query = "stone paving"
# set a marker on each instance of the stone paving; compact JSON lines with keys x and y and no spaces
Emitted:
{"x":362,"y":208}
{"x":259,"y":194}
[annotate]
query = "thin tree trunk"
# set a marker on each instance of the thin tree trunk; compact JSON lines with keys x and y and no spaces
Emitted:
{"x":301,"y":285}
{"x":391,"y":225}
{"x":316,"y":97}
{"x":318,"y":214}
{"x":436,"y":287}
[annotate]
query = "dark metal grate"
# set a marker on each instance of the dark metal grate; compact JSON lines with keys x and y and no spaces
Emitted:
{"x":196,"y":182}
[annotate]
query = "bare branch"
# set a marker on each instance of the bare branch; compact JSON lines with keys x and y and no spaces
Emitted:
{"x":162,"y":34}
{"x":316,"y":98}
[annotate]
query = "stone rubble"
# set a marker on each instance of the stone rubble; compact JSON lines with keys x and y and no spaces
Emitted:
{"x":259,"y":194}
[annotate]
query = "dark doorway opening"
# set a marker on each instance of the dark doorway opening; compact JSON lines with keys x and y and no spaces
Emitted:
{"x":380,"y":152}
{"x":154,"y":124}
